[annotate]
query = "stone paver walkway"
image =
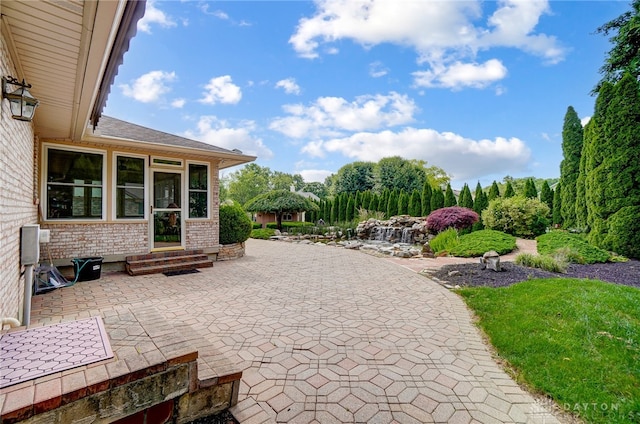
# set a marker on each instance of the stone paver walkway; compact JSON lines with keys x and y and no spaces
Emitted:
{"x":324,"y":335}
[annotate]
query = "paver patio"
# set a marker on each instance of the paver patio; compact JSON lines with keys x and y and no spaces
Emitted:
{"x":324,"y":335}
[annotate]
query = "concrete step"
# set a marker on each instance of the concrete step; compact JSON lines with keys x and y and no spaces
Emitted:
{"x":155,"y":263}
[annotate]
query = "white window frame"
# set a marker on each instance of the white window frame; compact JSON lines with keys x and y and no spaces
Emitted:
{"x":166,"y":165}
{"x":45,"y":181}
{"x":188,"y":191}
{"x":114,"y":167}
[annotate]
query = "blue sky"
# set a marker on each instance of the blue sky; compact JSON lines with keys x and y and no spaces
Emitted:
{"x":479,"y":89}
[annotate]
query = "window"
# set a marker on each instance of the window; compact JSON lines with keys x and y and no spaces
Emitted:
{"x":130,"y":187}
{"x":74,"y":184}
{"x":198,"y":190}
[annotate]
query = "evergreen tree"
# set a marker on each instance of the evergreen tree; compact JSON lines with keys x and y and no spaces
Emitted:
{"x":437,"y":199}
{"x":530,"y":190}
{"x":334,"y":212}
{"x":449,"y":197}
{"x":546,"y":195}
{"x":624,"y":57}
{"x":403,"y":203}
{"x":384,"y":201}
{"x":426,"y":198}
{"x":373,"y":203}
{"x":342,"y":207}
{"x":415,"y":204}
{"x":593,"y":153}
{"x":557,"y":204}
{"x":616,"y":180}
{"x":465,"y":200}
{"x":581,"y":195}
{"x":508,"y":191}
{"x":494,"y":191}
{"x":480,"y":203}
{"x":392,"y":204}
{"x":357,"y":200}
{"x":572,"y":135}
{"x":349,"y":214}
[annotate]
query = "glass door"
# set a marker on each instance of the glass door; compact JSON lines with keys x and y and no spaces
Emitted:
{"x":167,"y":223}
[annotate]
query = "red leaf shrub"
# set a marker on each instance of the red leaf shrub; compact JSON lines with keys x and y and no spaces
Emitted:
{"x":451,"y":217}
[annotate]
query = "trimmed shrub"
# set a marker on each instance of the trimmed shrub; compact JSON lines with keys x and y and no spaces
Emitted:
{"x":545,"y":262}
{"x":582,"y":252}
{"x":256,"y":225}
{"x":288,"y":224}
{"x":518,"y":216}
{"x":480,"y":242}
{"x":624,"y":232}
{"x":263,"y":233}
{"x":235,"y":225}
{"x":451,"y":217}
{"x":445,"y":241}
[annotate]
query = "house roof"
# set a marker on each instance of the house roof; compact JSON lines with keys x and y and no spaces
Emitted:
{"x":69,"y":51}
{"x":123,"y":132}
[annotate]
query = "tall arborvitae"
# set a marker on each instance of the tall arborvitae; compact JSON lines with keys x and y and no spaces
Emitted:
{"x":594,"y":158}
{"x":392,"y":204}
{"x":546,"y":196}
{"x":465,"y":200}
{"x":581,"y":195}
{"x":334,"y":211}
{"x":403,"y":203}
{"x":617,"y":178}
{"x":437,"y":199}
{"x":415,"y":204}
{"x":494,"y":191}
{"x":373,"y":203}
{"x":530,"y":190}
{"x":480,"y":203}
{"x":557,"y":205}
{"x":508,"y":191}
{"x":384,"y":201}
{"x":342,"y":207}
{"x":426,"y":198}
{"x":572,"y":137}
{"x":449,"y":197}
{"x":349,"y":215}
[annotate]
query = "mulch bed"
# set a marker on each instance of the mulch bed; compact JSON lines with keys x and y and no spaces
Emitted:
{"x":471,"y":275}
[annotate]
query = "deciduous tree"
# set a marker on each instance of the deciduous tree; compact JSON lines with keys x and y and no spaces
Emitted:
{"x":279,"y":202}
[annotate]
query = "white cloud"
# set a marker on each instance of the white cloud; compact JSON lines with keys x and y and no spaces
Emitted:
{"x":153,"y":15}
{"x":178,"y":103}
{"x":331,"y":116}
{"x":218,"y":132}
{"x":461,"y":75}
{"x":314,"y":175}
{"x":461,"y":157}
{"x":443,"y":34}
{"x":149,"y":87}
{"x":514,"y":24}
{"x":289,"y":86}
{"x":377,"y":69}
{"x":221,"y":90}
{"x":584,"y":121}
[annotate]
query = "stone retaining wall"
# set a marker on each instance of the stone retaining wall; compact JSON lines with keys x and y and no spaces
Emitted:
{"x":231,"y":251}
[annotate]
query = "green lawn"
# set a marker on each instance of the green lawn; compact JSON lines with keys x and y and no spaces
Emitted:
{"x":577,"y":341}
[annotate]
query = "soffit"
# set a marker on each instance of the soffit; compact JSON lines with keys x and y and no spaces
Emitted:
{"x":60,"y":47}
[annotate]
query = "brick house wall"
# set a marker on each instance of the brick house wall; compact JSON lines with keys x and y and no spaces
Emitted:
{"x":100,"y":239}
{"x":113,"y":239}
{"x":17,"y":194}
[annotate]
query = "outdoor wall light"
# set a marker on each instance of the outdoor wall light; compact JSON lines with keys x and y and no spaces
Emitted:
{"x":22,"y":103}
